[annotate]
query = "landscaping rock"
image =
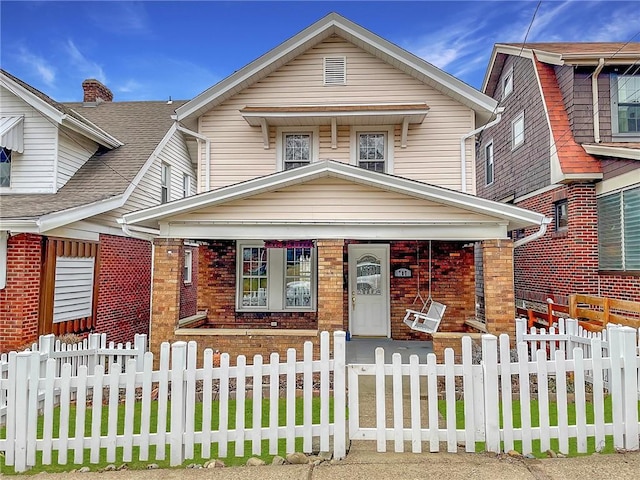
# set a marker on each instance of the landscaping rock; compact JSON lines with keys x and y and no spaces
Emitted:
{"x":255,"y":462}
{"x":84,"y":470}
{"x":530,"y":455}
{"x":551,"y":454}
{"x":326,"y":456}
{"x":514,"y":453}
{"x":297,"y":458}
{"x":109,"y":468}
{"x":278,"y":460}
{"x":124,"y":466}
{"x":153,"y":466}
{"x":214,"y":464}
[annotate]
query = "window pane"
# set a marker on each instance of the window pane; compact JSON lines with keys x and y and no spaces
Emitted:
{"x":628,"y":88}
{"x":254,"y":277}
{"x":489,"y":163}
{"x":298,"y":277}
{"x":628,"y":118}
{"x":631,"y":208}
{"x":562,"y":215}
{"x":609,"y":233}
{"x":368,"y":276}
{"x":5,"y":167}
{"x":297,"y":150}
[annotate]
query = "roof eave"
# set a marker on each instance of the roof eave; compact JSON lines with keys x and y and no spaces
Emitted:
{"x":610,"y":151}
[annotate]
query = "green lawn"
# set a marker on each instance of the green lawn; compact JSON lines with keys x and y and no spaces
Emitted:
{"x":136,"y":464}
{"x":553,"y":421}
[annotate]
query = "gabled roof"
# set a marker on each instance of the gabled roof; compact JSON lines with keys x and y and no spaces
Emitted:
{"x":106,"y":179}
{"x":56,"y":111}
{"x":514,"y":216}
{"x":334,"y":24}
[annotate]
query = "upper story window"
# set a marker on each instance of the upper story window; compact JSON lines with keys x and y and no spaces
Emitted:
{"x":625,"y":117}
{"x":488,"y":163}
{"x":5,"y":167}
{"x":335,"y":70}
{"x":297,"y":150}
{"x":507,"y":83}
{"x":165,"y":182}
{"x":618,"y":232}
{"x":186,"y":185}
{"x":561,"y":215}
{"x":517,"y":131}
{"x":372,"y":151}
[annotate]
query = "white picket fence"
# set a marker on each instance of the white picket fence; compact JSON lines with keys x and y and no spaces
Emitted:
{"x":91,"y":351}
{"x":408,"y":414}
{"x":173,"y":387}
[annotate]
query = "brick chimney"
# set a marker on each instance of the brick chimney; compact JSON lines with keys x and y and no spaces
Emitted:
{"x":95,"y":91}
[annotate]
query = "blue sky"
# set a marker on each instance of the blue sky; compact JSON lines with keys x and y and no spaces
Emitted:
{"x":153,"y":50}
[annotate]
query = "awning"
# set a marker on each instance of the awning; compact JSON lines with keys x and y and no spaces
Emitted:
{"x":11,"y":133}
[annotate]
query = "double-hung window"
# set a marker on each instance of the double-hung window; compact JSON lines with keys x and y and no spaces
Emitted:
{"x":276,"y":279}
{"x":507,"y":83}
{"x":619,"y":230}
{"x":625,"y":117}
{"x":297,"y":150}
{"x":5,"y":167}
{"x":186,"y":185}
{"x":165,"y":182}
{"x":488,"y":163}
{"x":517,"y":131}
{"x":372,"y":151}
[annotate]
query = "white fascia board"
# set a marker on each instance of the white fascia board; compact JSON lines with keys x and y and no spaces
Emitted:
{"x":346,"y":172}
{"x":360,"y":231}
{"x":90,"y":130}
{"x":317,"y":32}
{"x":65,"y":217}
{"x":609,"y":151}
{"x":20,"y":226}
{"x":33,"y":100}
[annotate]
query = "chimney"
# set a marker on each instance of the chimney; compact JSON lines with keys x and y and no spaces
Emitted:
{"x":95,"y":91}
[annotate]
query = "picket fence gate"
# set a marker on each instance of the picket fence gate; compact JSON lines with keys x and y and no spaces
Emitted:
{"x":174,"y":387}
{"x":91,"y":351}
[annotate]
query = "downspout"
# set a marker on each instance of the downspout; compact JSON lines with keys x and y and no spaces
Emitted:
{"x":533,"y":236}
{"x":207,"y":154}
{"x":463,"y":150}
{"x":594,"y":94}
{"x":141,"y":233}
{"x":4,"y":236}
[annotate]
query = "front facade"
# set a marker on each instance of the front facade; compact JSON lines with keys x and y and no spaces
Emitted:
{"x":67,"y":173}
{"x":337,"y":175}
{"x":568,"y":146}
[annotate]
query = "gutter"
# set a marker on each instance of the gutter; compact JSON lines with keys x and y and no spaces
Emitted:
{"x":463,"y":141}
{"x":141,"y":233}
{"x":594,"y":95}
{"x":207,"y":154}
{"x":534,"y":236}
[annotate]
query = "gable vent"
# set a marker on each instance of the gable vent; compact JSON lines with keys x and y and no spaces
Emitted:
{"x":335,"y":70}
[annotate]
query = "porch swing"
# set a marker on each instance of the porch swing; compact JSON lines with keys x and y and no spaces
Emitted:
{"x":419,"y":320}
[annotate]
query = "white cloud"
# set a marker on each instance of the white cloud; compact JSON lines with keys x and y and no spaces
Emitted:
{"x":85,"y":66}
{"x":129,"y":86}
{"x":120,"y":17}
{"x":40,"y":66}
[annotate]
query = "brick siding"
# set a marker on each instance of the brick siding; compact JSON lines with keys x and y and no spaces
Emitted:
{"x":189,"y":291}
{"x":124,"y":287}
{"x":19,"y":300}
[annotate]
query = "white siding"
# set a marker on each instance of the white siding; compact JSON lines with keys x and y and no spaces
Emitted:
{"x":331,"y":199}
{"x":433,"y":151}
{"x":33,"y":170}
{"x":73,"y":151}
{"x":73,"y":293}
{"x":147,"y":192}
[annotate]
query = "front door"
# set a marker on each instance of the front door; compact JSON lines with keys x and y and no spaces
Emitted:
{"x":369,"y":290}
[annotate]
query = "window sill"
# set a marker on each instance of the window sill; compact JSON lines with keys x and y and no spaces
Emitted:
{"x":560,"y":234}
{"x":620,"y":273}
{"x":245,"y":332}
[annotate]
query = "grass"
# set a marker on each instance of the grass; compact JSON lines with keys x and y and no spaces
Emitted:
{"x":137,"y":464}
{"x":553,"y":421}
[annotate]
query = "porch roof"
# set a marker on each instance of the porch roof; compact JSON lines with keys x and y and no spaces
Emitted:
{"x":475,"y":218}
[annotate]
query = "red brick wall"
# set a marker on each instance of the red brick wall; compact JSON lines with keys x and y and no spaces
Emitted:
{"x":19,"y":300}
{"x":189,"y":291}
{"x":560,"y":264}
{"x":124,"y":289}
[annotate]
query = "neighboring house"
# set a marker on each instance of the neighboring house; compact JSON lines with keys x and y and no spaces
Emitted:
{"x":568,"y":146}
{"x":67,"y":173}
{"x":328,"y":166}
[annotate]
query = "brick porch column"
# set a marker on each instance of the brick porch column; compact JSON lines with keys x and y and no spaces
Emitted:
{"x":167,"y":272}
{"x":330,"y":285}
{"x":499,"y":294}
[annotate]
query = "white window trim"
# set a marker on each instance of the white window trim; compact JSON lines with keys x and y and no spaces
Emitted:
{"x":519,"y":117}
{"x":508,"y":74}
{"x":168,"y":181}
{"x":188,"y":266}
{"x":615,"y":128}
{"x":276,"y":264}
{"x":315,"y":143}
{"x":389,"y":130}
{"x":486,"y":163}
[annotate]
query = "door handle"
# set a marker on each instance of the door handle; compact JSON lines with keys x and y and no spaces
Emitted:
{"x":353,"y":300}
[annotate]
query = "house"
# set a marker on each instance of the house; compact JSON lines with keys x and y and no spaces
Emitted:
{"x":67,"y":173}
{"x":568,"y":146}
{"x":337,"y":174}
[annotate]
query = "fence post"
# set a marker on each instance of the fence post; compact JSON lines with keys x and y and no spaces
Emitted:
{"x":140,"y":345}
{"x":94,"y":346}
{"x":521,"y":329}
{"x":491,"y":403}
{"x":571,"y":329}
{"x":178,"y":366}
{"x":23,"y":360}
{"x":339,"y":395}
{"x":630,"y":388}
{"x":573,"y":306}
